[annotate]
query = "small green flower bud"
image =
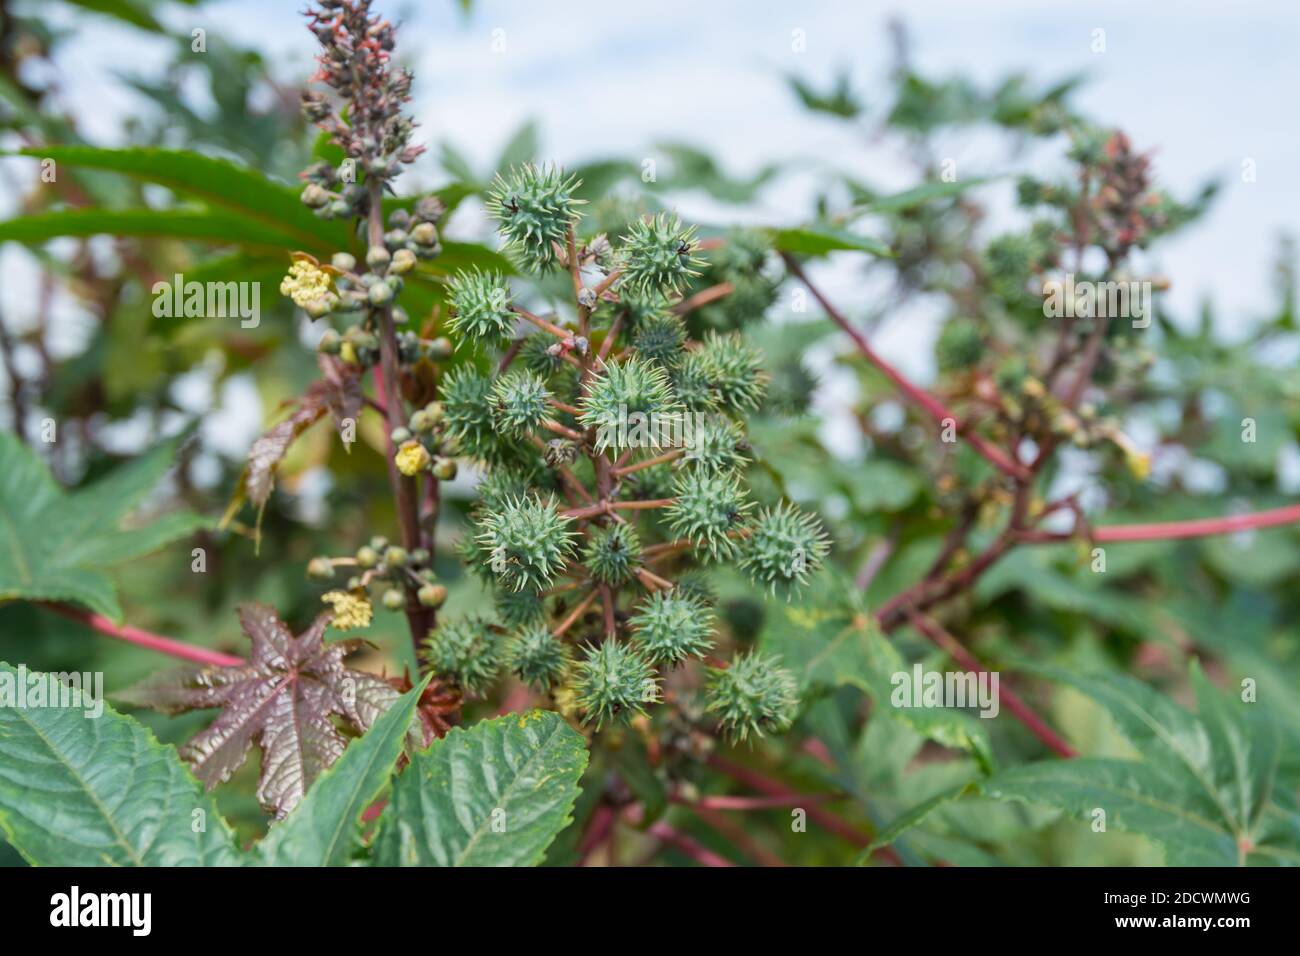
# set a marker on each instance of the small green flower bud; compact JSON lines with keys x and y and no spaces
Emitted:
{"x":394,"y":599}
{"x":377,"y":257}
{"x":395,"y":238}
{"x":379,"y":543}
{"x":400,"y":436}
{"x":425,"y":234}
{"x":440,"y":348}
{"x":319,"y":308}
{"x":344,"y":262}
{"x":329,"y":343}
{"x":444,"y":469}
{"x":381,"y":293}
{"x":420,"y":421}
{"x":320,"y":569}
{"x":419,"y":556}
{"x":354,"y":583}
{"x":314,"y":197}
{"x":432,"y":595}
{"x":367,"y":557}
{"x":396,"y":557}
{"x":403,"y":262}
{"x":435,"y":411}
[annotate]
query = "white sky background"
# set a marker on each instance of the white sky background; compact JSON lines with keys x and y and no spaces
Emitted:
{"x":1206,"y":84}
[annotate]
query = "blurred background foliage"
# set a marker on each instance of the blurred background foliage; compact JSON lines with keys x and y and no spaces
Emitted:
{"x":886,"y":492}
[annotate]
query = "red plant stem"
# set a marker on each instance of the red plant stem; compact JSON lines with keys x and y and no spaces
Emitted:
{"x":419,"y":619}
{"x":736,"y":833}
{"x":576,"y":613}
{"x":761,"y":782}
{"x":724,"y":802}
{"x":543,"y":324}
{"x":954,"y":648}
{"x":1198,"y":528}
{"x":146,"y":639}
{"x":919,"y":396}
{"x":704,"y":297}
{"x":600,"y":827}
{"x":621,"y":470}
{"x":569,"y":433}
{"x":688,"y":845}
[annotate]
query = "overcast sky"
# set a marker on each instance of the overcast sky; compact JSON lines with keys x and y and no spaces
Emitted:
{"x":1207,"y":89}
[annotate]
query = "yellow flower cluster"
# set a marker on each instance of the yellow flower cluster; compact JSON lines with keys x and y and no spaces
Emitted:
{"x":412,"y":458}
{"x":351,"y":611}
{"x":306,"y":284}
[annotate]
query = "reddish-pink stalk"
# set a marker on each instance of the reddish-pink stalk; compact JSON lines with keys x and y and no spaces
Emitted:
{"x":919,"y":396}
{"x":688,"y":845}
{"x":1199,"y":527}
{"x":147,"y":639}
{"x":954,"y":648}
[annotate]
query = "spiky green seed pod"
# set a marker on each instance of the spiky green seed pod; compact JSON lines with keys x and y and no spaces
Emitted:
{"x":692,"y":385}
{"x":614,"y":683}
{"x":695,"y":586}
{"x":660,"y":339}
{"x":755,"y":695}
{"x":503,"y":484}
{"x":658,"y":255}
{"x":469,"y":650}
{"x":537,"y":657}
{"x":740,"y":262}
{"x":960,"y":345}
{"x":432,"y":595}
{"x":717,"y":445}
{"x":534,"y":207}
{"x":734,"y":370}
{"x":670,"y":628}
{"x":784,"y":546}
{"x":519,"y":608}
{"x":790,"y":387}
{"x":469,"y":416}
{"x":320,"y":569}
{"x":626,"y":403}
{"x":640,"y":308}
{"x":480,"y":306}
{"x":394,"y":599}
{"x":535,"y":355}
{"x":707,"y":509}
{"x":527,"y":542}
{"x":520,"y":400}
{"x":650,"y":483}
{"x":612,"y":553}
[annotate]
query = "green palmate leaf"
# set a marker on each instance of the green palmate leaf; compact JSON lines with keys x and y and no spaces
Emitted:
{"x":56,"y":545}
{"x":821,"y":240}
{"x":323,"y":830}
{"x":249,"y":194}
{"x":1204,"y":788}
{"x":911,"y":818}
{"x":79,"y":790}
{"x":918,"y":195}
{"x":216,"y":227}
{"x":829,"y":645}
{"x":494,"y":795}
